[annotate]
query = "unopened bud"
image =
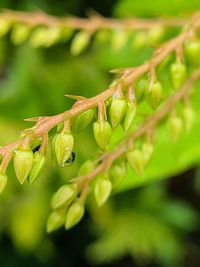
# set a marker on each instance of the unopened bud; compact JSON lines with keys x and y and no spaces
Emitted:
{"x":55,"y":220}
{"x":38,"y":163}
{"x":154,"y":94}
{"x":117,"y":174}
{"x":5,"y":25}
{"x":119,"y":38}
{"x":117,"y":111}
{"x":102,"y":190}
{"x":23,"y":161}
{"x":87,"y":167}
{"x":188,"y":118}
{"x":192,"y":50}
{"x":64,"y":196}
{"x":38,"y":37}
{"x":140,"y":39}
{"x":155,"y":35}
{"x":136,"y":160}
{"x":102,"y":134}
{"x":3,"y":181}
{"x":64,"y":143}
{"x":80,"y":42}
{"x":129,"y":116}
{"x":174,"y":127}
{"x":20,"y":33}
{"x":74,"y":214}
{"x":178,"y":73}
{"x":140,"y":88}
{"x":147,"y":150}
{"x":83,"y":120}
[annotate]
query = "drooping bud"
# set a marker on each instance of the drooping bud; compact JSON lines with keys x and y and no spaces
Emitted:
{"x":102,"y":190}
{"x":64,"y":143}
{"x":192,"y":50}
{"x":38,"y":163}
{"x":178,"y":74}
{"x":55,"y":220}
{"x":80,"y":42}
{"x":118,"y":39}
{"x":87,"y":167}
{"x":20,"y":33}
{"x":3,"y":181}
{"x":188,"y":118}
{"x":140,"y":39}
{"x":136,"y":160}
{"x":147,"y":150}
{"x":154,"y":94}
{"x":64,"y":196}
{"x":140,"y":88}
{"x":155,"y":35}
{"x":117,"y":111}
{"x":23,"y":161}
{"x":38,"y":37}
{"x":83,"y":120}
{"x":74,"y":214}
{"x":117,"y":174}
{"x":129,"y":116}
{"x":102,"y":134}
{"x":174,"y":127}
{"x":5,"y":25}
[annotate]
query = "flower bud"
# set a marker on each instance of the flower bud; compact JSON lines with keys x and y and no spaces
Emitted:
{"x":192,"y":50}
{"x":155,"y":35}
{"x":147,"y":150}
{"x":118,"y":39}
{"x":136,"y":160}
{"x":64,"y":196}
{"x":38,"y":37}
{"x":102,"y":190}
{"x":140,"y":39}
{"x":64,"y":143}
{"x":23,"y":161}
{"x":102,"y":134}
{"x":87,"y":167}
{"x":129,"y":116}
{"x":80,"y":42}
{"x":3,"y":181}
{"x":154,"y":94}
{"x":140,"y":88}
{"x":117,"y":174}
{"x":74,"y":214}
{"x":83,"y":120}
{"x":20,"y":33}
{"x":188,"y":118}
{"x":38,"y":163}
{"x":117,"y":111}
{"x":5,"y":25}
{"x":55,"y":220}
{"x":178,"y":73}
{"x":174,"y":127}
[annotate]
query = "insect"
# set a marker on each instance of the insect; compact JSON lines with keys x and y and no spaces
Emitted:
{"x":70,"y":160}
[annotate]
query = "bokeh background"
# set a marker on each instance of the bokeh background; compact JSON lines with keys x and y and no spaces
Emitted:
{"x":152,"y":221}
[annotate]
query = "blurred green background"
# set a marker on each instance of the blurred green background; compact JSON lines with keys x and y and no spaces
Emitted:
{"x":149,"y":222}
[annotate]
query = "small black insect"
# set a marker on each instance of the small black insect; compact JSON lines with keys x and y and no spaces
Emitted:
{"x":70,"y":160}
{"x":35,"y":149}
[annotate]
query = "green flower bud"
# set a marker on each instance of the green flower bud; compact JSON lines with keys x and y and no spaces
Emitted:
{"x":23,"y":162}
{"x":129,"y":116}
{"x":4,"y":26}
{"x":118,"y":39}
{"x":64,"y":143}
{"x":38,"y":163}
{"x":38,"y":37}
{"x":55,"y":220}
{"x":154,"y":94}
{"x":87,"y":167}
{"x":188,"y":118}
{"x":102,"y":190}
{"x":102,"y":134}
{"x":3,"y":182}
{"x":140,"y":88}
{"x":147,"y":150}
{"x":80,"y":42}
{"x":20,"y":33}
{"x":136,"y":160}
{"x":178,"y":74}
{"x":117,"y":111}
{"x":53,"y":35}
{"x":83,"y":120}
{"x":174,"y":127}
{"x":117,"y":174}
{"x":155,"y":35}
{"x":64,"y":196}
{"x":140,"y":39}
{"x":74,"y":214}
{"x":192,"y":50}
